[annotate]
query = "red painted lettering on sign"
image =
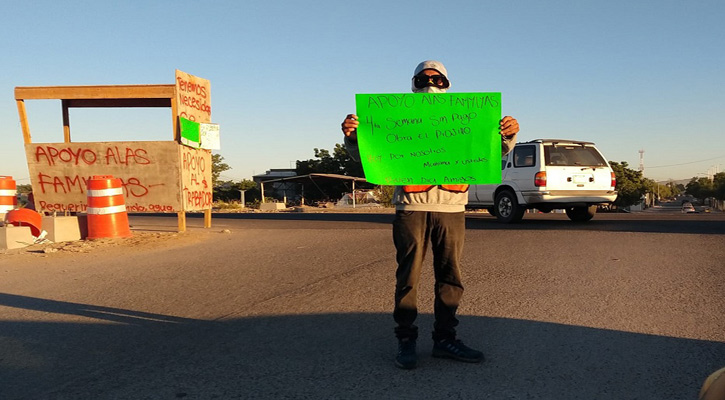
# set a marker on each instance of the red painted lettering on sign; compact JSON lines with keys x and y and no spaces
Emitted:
{"x":198,"y":199}
{"x":191,"y":87}
{"x":52,"y":155}
{"x":191,"y":162}
{"x":62,"y":207}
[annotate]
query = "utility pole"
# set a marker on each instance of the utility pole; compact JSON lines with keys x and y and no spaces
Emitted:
{"x":641,"y":161}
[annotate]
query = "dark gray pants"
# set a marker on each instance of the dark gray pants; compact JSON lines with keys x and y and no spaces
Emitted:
{"x":412,"y":231}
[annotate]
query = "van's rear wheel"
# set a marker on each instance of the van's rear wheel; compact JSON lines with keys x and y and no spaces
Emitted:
{"x":581,"y":214}
{"x":507,"y":207}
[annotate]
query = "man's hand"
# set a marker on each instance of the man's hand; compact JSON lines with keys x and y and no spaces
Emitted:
{"x":349,"y":126}
{"x":509,"y":126}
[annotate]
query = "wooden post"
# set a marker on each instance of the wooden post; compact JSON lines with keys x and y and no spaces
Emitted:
{"x":23,"y":120}
{"x":175,"y":119}
{"x":207,"y":218}
{"x":182,"y":221}
{"x":353,"y":193}
{"x":66,"y":121}
{"x":261,"y":185}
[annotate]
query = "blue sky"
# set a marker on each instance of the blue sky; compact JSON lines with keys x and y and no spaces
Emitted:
{"x":627,"y":75}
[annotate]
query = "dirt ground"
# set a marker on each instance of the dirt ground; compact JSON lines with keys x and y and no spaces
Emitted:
{"x":140,"y":241}
{"x":151,"y":239}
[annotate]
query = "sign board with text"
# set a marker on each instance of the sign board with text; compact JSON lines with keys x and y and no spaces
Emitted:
{"x":156,"y":176}
{"x":430,"y":139}
{"x":193,"y":97}
{"x":193,"y":102}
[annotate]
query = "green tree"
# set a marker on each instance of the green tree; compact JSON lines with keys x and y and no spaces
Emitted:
{"x":719,"y":185}
{"x":217,"y":167}
{"x":660,"y":191}
{"x":229,"y":191}
{"x":348,"y":166}
{"x":675,"y":188}
{"x":630,"y":184}
{"x":247,"y":184}
{"x":700,"y":188}
{"x":339,"y":162}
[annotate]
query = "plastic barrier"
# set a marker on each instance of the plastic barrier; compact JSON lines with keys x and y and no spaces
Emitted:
{"x":107,"y":217}
{"x":8,"y":194}
{"x":25,"y":217}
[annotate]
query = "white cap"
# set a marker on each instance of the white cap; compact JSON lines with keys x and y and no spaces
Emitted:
{"x":431,"y":64}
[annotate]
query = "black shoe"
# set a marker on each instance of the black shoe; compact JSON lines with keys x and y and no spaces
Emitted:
{"x":455,"y":349}
{"x":406,"y":358}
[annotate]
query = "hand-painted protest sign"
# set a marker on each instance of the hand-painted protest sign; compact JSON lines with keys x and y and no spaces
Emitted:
{"x":193,"y":97}
{"x":430,"y":139}
{"x":209,"y":136}
{"x":193,"y":103}
{"x":155,"y":176}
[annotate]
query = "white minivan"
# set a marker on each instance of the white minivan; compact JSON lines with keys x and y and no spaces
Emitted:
{"x":548,"y":174}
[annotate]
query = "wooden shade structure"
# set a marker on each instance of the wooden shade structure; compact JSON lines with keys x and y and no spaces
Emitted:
{"x":116,"y":96}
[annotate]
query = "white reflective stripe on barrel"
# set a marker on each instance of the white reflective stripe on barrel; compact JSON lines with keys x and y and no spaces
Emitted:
{"x":7,"y":192}
{"x":106,"y":210}
{"x":6,"y":208}
{"x":104,"y":192}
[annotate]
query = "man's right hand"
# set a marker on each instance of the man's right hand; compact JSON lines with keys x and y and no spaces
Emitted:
{"x":349,"y":126}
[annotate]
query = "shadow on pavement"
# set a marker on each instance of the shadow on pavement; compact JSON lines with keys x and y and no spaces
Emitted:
{"x":333,"y":356}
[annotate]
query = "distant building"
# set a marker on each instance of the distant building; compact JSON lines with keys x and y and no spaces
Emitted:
{"x":278,"y":190}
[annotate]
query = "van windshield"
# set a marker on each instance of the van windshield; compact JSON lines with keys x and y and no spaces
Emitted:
{"x":573,"y":156}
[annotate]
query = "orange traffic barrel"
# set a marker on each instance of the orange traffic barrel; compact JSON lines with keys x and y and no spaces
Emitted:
{"x":8,"y":194}
{"x":107,"y":217}
{"x":25,"y":217}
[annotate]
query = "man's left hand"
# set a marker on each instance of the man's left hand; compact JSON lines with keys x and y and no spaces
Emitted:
{"x":509,"y":127}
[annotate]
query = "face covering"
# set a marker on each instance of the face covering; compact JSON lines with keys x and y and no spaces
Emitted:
{"x":429,"y":89}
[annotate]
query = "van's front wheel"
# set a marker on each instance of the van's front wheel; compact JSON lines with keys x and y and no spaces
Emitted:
{"x":507,"y":207}
{"x":581,"y":214}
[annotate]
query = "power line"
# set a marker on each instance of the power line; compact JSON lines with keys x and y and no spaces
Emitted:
{"x":691,"y":162}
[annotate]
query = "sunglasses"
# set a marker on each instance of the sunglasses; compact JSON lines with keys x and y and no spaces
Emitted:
{"x":421,"y":81}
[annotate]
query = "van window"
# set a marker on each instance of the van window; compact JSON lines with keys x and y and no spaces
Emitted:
{"x":573,"y":156}
{"x":524,"y":156}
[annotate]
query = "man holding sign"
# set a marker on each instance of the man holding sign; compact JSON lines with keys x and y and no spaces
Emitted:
{"x":426,"y":212}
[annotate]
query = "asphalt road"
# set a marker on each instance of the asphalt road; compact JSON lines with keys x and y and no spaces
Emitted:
{"x":297,"y":305}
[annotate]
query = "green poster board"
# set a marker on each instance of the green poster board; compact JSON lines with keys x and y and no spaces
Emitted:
{"x":189,"y":132}
{"x":430,"y":139}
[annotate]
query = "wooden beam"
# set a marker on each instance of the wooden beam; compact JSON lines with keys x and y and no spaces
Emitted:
{"x":23,"y":120}
{"x":95,"y":92}
{"x":119,"y":103}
